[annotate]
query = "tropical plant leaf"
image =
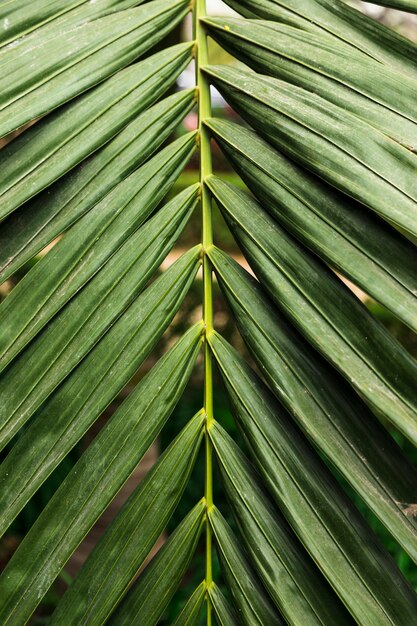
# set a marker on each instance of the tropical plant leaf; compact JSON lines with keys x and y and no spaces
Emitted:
{"x":25,"y":19}
{"x":94,"y":481}
{"x":29,"y":229}
{"x":327,"y":140}
{"x":402,"y":5}
{"x":148,"y":598}
{"x":357,"y":243}
{"x":59,"y":142}
{"x":332,"y":416}
{"x":115,"y":560}
{"x":325,"y":310}
{"x":190,"y":615}
{"x":88,"y":316}
{"x":90,"y":388}
{"x":87,"y":247}
{"x":252,"y":602}
{"x":281,"y":562}
{"x":314,"y":504}
{"x":88,"y":53}
{"x":22,"y":18}
{"x":225,"y":615}
{"x":330,"y":156}
{"x":354,"y":82}
{"x":340,"y":21}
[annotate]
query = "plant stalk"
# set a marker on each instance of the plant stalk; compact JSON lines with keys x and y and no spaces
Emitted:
{"x":204,"y":112}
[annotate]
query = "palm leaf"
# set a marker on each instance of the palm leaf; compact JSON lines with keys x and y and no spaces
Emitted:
{"x":252,"y":602}
{"x":225,"y":614}
{"x":148,"y":597}
{"x":131,"y":535}
{"x":279,"y":559}
{"x":74,"y":260}
{"x":358,"y":244}
{"x":327,"y":524}
{"x":324,"y":138}
{"x":84,"y":395}
{"x":90,"y":182}
{"x":94,"y":481}
{"x":190,"y":615}
{"x":88,"y":53}
{"x":56,"y":144}
{"x":375,"y":94}
{"x":323,"y":404}
{"x":341,"y":22}
{"x":330,"y":316}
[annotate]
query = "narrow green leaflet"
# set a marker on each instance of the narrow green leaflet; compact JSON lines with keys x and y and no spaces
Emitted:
{"x":225,"y":615}
{"x":288,"y":573}
{"x":71,"y":61}
{"x":333,"y":417}
{"x":78,"y":402}
{"x":93,"y":309}
{"x":402,"y":5}
{"x":30,"y":228}
{"x":375,"y":93}
{"x":148,"y":598}
{"x":117,"y":557}
{"x":20,"y":17}
{"x":326,"y":522}
{"x":348,"y":153}
{"x":326,"y":312}
{"x":57,"y":143}
{"x":356,"y":242}
{"x":87,"y":246}
{"x":190,"y":615}
{"x":73,"y":332}
{"x":340,"y":21}
{"x":94,"y":481}
{"x":51,"y":16}
{"x":252,"y":602}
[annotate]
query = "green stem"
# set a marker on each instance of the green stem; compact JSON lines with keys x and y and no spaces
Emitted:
{"x":204,"y":112}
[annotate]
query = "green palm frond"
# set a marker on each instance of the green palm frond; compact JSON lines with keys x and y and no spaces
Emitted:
{"x":92,"y":207}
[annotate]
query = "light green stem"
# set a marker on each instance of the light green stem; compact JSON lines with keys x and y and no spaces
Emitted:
{"x":204,"y":111}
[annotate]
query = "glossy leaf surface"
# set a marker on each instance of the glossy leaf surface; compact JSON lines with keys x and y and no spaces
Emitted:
{"x":94,"y":481}
{"x":358,"y":244}
{"x":325,"y":311}
{"x":84,"y":395}
{"x":333,"y":417}
{"x":129,"y":538}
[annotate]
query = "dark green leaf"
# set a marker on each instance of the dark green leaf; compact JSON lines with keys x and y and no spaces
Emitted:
{"x":59,"y":142}
{"x":87,"y":247}
{"x":340,"y":21}
{"x":148,"y":598}
{"x":402,"y":5}
{"x":333,"y":417}
{"x":357,"y":243}
{"x":50,"y":16}
{"x":22,"y":17}
{"x":322,"y":516}
{"x":77,"y":403}
{"x":48,"y":71}
{"x":354,"y":82}
{"x":252,"y":602}
{"x":225,"y":616}
{"x":117,"y":557}
{"x":94,"y":481}
{"x":348,"y":153}
{"x":29,"y":229}
{"x":333,"y":320}
{"x":288,"y":573}
{"x":190,"y":615}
